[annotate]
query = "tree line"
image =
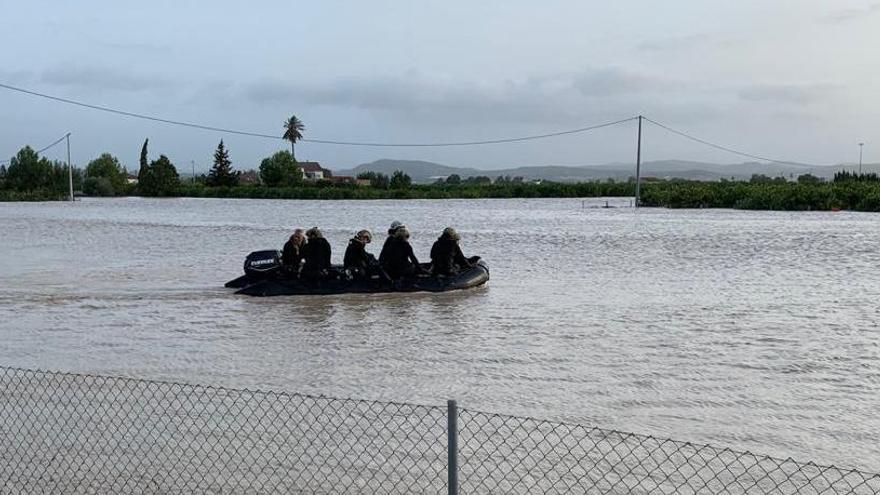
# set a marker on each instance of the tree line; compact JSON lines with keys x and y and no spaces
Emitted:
{"x":32,"y":177}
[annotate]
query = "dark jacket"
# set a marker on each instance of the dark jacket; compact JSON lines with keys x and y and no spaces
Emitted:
{"x":317,"y":255}
{"x":399,"y":258}
{"x":356,"y":256}
{"x":446,"y":255}
{"x":291,"y":257}
{"x":384,"y":252}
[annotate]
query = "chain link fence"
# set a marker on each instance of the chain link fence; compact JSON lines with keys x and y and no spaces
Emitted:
{"x":74,"y":433}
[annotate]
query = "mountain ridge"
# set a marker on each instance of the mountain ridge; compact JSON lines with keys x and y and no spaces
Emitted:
{"x":423,"y":171}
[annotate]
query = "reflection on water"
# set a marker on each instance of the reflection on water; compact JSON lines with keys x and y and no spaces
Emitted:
{"x":750,"y":329}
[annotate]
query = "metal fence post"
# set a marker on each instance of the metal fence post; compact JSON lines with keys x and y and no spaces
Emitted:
{"x":452,"y":445}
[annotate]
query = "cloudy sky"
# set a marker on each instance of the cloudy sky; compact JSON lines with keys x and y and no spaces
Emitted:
{"x":793,"y":79}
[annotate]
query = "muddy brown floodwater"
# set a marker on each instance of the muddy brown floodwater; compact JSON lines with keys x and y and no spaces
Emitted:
{"x":754,"y":330}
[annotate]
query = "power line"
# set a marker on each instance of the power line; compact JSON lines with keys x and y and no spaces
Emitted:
{"x":42,"y":149}
{"x":394,"y":145}
{"x":725,"y":148}
{"x":135,"y":115}
{"x":475,"y":143}
{"x":316,"y":141}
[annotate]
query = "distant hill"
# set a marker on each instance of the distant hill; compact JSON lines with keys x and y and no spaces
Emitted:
{"x":420,"y":171}
{"x":424,"y":171}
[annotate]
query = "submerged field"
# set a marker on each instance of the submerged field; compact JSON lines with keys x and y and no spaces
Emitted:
{"x":755,"y":330}
{"x":786,"y":196}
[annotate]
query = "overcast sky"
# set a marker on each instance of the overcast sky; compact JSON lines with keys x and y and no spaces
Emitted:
{"x":794,"y":79}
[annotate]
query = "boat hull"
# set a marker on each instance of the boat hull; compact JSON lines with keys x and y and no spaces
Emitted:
{"x":466,"y":279}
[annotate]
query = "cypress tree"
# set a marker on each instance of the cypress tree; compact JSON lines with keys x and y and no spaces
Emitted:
{"x":145,"y":173}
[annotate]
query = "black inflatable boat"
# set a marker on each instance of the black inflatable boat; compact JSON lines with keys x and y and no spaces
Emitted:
{"x":264,"y":277}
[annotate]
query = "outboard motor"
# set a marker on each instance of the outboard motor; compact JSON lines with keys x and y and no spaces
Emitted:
{"x":261,"y":265}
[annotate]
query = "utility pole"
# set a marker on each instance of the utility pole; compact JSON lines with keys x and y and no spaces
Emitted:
{"x":193,"y":163}
{"x":69,"y":167}
{"x":861,"y":145}
{"x":639,"y":163}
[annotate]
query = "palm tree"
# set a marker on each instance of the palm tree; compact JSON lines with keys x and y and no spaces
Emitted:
{"x":293,"y":128}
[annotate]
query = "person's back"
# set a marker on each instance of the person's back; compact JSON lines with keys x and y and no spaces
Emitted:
{"x":384,"y":252}
{"x":446,"y":255}
{"x":316,"y":253}
{"x":399,"y":259}
{"x":356,"y":256}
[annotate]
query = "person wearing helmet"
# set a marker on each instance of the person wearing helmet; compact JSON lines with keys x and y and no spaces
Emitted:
{"x":400,"y":261}
{"x":291,"y":254}
{"x":316,"y":254}
{"x":384,"y":252}
{"x":446,"y":256}
{"x":357,"y":260}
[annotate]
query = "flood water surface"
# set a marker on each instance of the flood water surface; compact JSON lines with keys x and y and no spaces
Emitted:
{"x":755,"y":330}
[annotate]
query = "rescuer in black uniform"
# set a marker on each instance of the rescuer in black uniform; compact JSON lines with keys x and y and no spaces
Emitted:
{"x":357,"y":260}
{"x":446,"y":256}
{"x":398,"y":258}
{"x":316,"y":254}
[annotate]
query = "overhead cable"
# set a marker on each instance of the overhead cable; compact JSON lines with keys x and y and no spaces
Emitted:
{"x":41,"y":149}
{"x":725,"y":148}
{"x":308,"y":140}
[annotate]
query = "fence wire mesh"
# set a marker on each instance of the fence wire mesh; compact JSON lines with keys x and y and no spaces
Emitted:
{"x":72,"y":433}
{"x":505,"y":454}
{"x":65,"y":433}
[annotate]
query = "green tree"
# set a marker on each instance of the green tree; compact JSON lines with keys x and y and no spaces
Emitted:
{"x":280,"y":169}
{"x":3,"y":184}
{"x":453,"y":180}
{"x":400,"y":180}
{"x":165,"y":175}
{"x":293,"y":129}
{"x":28,"y":172}
{"x":105,"y":167}
{"x":478,"y":180}
{"x":163,"y":179}
{"x":809,"y":179}
{"x":221,"y":174}
{"x":98,"y":186}
{"x":377,"y":180}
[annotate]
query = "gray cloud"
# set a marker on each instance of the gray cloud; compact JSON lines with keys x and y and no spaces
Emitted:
{"x":101,"y":78}
{"x":674,"y":43}
{"x":616,"y":81}
{"x":799,"y":94}
{"x":852,"y":14}
{"x":16,"y":76}
{"x":557,"y":98}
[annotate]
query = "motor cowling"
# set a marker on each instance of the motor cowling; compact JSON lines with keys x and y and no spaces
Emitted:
{"x":262,"y":264}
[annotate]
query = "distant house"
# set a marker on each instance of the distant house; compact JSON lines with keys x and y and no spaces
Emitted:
{"x":314,"y":171}
{"x":342,"y":179}
{"x":249,"y":177}
{"x":131,"y":179}
{"x":347,"y":179}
